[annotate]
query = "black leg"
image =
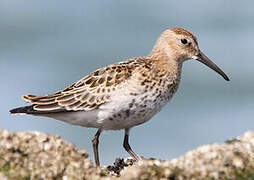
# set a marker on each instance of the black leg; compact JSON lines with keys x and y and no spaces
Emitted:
{"x":95,"y":142}
{"x":127,"y":147}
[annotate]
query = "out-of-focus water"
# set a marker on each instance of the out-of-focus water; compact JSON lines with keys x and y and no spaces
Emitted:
{"x":47,"y":45}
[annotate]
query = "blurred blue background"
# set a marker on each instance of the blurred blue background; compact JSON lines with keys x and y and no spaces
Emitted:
{"x":47,"y":45}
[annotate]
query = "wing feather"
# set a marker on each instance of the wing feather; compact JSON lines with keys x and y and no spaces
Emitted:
{"x":47,"y":107}
{"x":88,"y":93}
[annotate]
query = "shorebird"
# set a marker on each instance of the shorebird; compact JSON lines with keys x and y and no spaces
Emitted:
{"x":125,"y":94}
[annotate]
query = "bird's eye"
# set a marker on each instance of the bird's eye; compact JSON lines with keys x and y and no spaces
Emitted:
{"x":184,"y":41}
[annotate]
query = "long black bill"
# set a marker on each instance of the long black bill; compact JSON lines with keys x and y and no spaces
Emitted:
{"x":205,"y":60}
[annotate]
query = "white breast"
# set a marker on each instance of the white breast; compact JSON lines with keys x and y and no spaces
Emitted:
{"x":127,"y":108}
{"x":126,"y":111}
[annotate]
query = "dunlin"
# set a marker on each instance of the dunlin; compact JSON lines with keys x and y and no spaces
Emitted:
{"x":126,"y":94}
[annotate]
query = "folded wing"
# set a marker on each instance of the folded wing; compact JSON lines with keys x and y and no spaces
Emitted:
{"x":88,"y":93}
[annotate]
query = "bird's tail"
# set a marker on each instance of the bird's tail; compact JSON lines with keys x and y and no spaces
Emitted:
{"x":23,"y":110}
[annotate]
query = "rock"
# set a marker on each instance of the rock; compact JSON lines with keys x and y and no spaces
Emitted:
{"x":34,"y":155}
{"x":119,"y":165}
{"x":231,"y":160}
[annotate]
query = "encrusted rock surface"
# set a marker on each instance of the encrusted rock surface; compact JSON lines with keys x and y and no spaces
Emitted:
{"x":232,"y":160}
{"x":35,"y":155}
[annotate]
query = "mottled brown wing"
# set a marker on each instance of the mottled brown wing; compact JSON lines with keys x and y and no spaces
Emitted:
{"x":88,"y":93}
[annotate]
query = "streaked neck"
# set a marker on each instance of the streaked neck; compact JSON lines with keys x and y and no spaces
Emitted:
{"x":166,"y":59}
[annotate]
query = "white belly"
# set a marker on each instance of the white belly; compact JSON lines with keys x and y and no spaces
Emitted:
{"x":124,"y":110}
{"x":121,"y":113}
{"x":129,"y":111}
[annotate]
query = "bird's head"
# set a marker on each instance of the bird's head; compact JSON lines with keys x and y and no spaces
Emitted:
{"x":180,"y":45}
